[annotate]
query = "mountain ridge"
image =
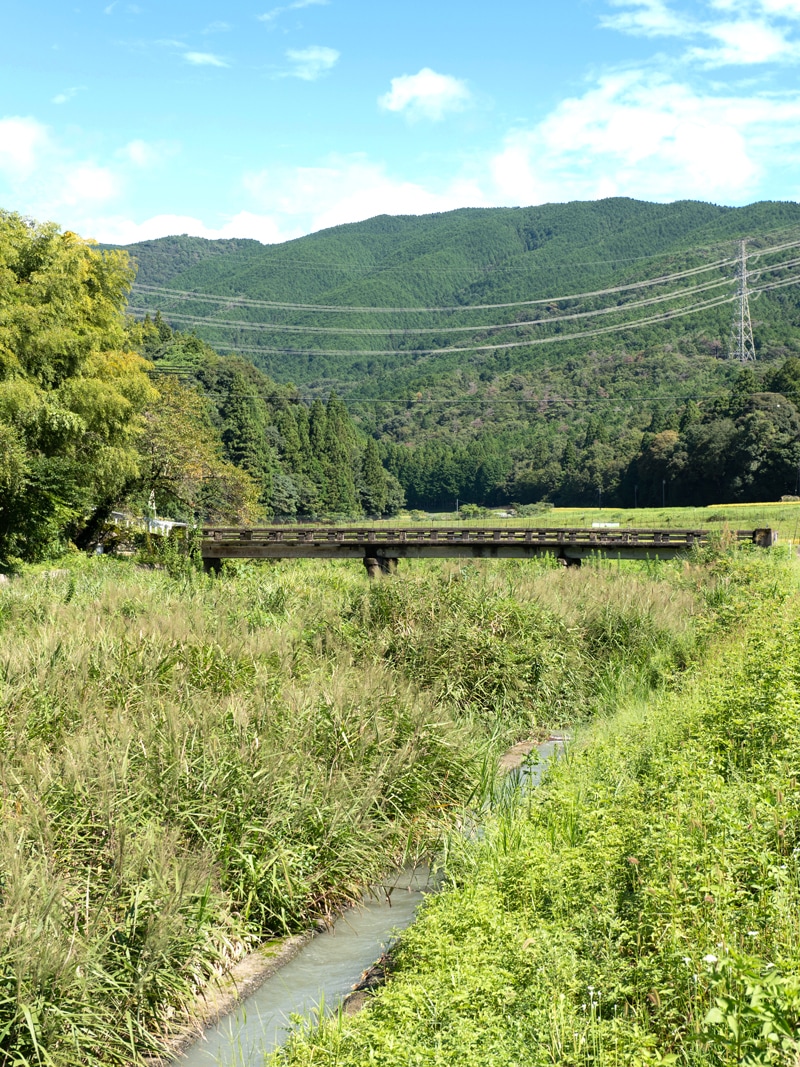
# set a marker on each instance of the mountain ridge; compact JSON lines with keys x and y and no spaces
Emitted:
{"x":513,"y":397}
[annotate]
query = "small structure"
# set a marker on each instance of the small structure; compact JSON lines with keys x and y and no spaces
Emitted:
{"x":380,"y":548}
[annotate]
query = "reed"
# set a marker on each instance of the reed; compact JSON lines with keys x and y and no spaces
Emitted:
{"x":189,"y":766}
{"x":642,"y":905}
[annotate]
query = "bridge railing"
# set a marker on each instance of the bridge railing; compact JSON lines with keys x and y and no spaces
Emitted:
{"x":459,"y":535}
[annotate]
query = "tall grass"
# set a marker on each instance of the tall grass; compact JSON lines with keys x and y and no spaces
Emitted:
{"x":190,"y":766}
{"x":641,"y":906}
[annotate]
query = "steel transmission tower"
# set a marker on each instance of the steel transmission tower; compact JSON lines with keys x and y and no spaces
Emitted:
{"x":742,"y":346}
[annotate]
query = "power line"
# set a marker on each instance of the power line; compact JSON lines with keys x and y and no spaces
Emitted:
{"x":286,"y":306}
{"x":184,"y":295}
{"x":240,"y":324}
{"x":529,"y":342}
{"x":453,"y":349}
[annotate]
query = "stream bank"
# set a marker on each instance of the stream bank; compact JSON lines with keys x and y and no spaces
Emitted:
{"x":319,"y":972}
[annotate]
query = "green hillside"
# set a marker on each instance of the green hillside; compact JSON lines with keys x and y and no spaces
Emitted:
{"x":521,"y":392}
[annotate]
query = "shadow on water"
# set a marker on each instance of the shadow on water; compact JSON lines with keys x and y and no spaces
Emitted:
{"x":325,"y":970}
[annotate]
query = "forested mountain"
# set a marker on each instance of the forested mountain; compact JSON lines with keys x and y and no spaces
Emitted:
{"x":552,"y":394}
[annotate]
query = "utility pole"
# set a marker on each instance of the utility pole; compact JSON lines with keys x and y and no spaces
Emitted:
{"x":742,"y":346}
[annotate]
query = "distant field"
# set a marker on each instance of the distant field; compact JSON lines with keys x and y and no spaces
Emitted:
{"x":783,"y":517}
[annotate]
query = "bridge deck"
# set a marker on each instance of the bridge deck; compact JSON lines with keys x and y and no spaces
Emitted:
{"x":393,"y":543}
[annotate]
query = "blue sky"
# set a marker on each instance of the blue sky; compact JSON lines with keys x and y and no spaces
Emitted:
{"x":127,"y":120}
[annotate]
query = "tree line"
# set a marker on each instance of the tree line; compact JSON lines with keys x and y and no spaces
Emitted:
{"x":86,"y":425}
{"x":742,"y":445}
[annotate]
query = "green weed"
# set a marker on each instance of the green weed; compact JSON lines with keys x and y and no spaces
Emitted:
{"x":642,"y":905}
{"x":190,"y":766}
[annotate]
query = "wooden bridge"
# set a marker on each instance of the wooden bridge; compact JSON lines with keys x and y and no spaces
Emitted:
{"x":381,"y":547}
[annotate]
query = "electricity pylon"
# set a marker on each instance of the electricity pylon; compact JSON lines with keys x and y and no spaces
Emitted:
{"x":742,"y":346}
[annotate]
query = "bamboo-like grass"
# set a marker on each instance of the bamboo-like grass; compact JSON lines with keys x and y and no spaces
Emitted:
{"x":190,"y":766}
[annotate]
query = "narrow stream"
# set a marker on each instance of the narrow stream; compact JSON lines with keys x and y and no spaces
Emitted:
{"x":325,"y":970}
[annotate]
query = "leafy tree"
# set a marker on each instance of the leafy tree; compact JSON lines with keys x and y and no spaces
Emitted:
{"x":766,"y":451}
{"x":182,"y":462}
{"x":786,"y":380}
{"x":71,"y":391}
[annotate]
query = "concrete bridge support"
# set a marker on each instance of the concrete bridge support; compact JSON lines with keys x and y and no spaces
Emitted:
{"x":378,"y":565}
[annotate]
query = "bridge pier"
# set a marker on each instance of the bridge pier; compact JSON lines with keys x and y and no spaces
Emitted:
{"x":378,"y":565}
{"x":212,"y":565}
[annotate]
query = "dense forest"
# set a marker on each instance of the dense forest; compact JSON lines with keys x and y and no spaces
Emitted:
{"x":88,"y":424}
{"x":549,"y":395}
{"x":101,"y":410}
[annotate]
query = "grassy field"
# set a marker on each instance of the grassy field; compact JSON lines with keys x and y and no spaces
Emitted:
{"x":783,"y":517}
{"x":639,"y":908}
{"x":191,"y":766}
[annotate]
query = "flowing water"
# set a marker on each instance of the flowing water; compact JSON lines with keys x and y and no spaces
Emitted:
{"x":326,"y":969}
{"x":322,"y":973}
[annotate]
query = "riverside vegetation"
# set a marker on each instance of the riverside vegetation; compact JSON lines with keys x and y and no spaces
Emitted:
{"x":191,"y":767}
{"x":642,"y":905}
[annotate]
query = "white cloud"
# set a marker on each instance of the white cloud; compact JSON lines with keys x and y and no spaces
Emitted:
{"x":648,"y":18}
{"x":204,"y":59}
{"x":42,"y":177}
{"x":743,"y":43}
{"x":349,"y":189}
{"x":782,"y":8}
{"x":217,"y":27}
{"x":642,"y":135}
{"x":87,"y":183}
{"x":312,"y":62}
{"x":67,"y":95}
{"x":426,"y":95}
{"x":746,"y":38}
{"x":276,"y":12}
{"x":787,"y":8}
{"x":142,"y":154}
{"x":117,"y":229}
{"x":21,"y":141}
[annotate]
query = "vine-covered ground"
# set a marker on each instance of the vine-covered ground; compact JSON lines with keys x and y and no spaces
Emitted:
{"x":642,"y":906}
